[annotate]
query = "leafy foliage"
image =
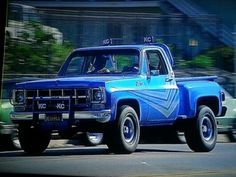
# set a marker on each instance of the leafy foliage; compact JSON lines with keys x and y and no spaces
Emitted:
{"x":223,"y":57}
{"x":200,"y":61}
{"x":123,"y":61}
{"x":34,"y":52}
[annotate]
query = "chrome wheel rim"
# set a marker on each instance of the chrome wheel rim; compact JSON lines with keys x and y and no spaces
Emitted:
{"x":128,"y":130}
{"x":207,"y":129}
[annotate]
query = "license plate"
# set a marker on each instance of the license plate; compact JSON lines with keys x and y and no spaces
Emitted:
{"x":51,"y":105}
{"x":53,"y":117}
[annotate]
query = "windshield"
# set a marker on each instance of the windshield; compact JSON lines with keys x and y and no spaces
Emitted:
{"x":102,"y":62}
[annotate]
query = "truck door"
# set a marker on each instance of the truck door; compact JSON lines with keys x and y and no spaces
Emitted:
{"x":162,"y":89}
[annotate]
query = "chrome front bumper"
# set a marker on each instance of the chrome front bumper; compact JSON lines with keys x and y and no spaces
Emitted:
{"x":100,"y":116}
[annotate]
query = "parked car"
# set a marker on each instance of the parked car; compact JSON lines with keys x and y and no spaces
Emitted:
{"x":8,"y":138}
{"x":8,"y":131}
{"x":227,"y":123}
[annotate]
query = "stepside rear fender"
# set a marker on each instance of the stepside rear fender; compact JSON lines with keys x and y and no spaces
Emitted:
{"x":195,"y":93}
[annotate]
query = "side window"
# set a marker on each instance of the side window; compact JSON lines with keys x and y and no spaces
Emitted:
{"x":156,"y":62}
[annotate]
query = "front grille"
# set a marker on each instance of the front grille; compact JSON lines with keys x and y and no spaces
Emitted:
{"x":57,"y":93}
{"x":77,"y":97}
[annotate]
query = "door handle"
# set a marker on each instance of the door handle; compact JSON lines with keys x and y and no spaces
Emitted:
{"x":169,"y":79}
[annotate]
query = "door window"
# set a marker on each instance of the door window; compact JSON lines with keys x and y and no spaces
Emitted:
{"x":156,"y":62}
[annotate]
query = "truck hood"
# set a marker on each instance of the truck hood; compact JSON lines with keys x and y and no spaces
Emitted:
{"x":72,"y":82}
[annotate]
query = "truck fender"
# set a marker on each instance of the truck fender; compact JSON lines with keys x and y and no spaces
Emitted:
{"x":118,"y":101}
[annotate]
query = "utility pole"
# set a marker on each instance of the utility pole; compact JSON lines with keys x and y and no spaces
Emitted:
{"x":234,"y":74}
{"x":3,"y":12}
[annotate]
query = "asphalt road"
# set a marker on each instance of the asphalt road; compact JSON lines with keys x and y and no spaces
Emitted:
{"x":148,"y":160}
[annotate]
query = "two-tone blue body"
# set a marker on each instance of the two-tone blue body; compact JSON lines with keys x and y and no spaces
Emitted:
{"x":158,"y":99}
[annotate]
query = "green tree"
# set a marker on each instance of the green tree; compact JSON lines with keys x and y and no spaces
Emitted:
{"x":223,"y":57}
{"x":34,"y":52}
{"x":200,"y":61}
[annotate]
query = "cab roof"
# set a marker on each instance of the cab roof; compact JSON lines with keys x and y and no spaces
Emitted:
{"x":110,"y":47}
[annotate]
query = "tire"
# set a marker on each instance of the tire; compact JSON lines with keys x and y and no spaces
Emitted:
{"x":92,"y":139}
{"x":201,"y":135}
{"x":124,"y":135}
{"x":33,"y":140}
{"x":232,"y":135}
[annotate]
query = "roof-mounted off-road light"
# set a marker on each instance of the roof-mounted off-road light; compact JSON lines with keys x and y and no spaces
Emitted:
{"x":112,"y":41}
{"x":107,"y":41}
{"x":148,"y":39}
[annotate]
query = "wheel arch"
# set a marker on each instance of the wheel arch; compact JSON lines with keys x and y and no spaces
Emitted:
{"x":132,"y":103}
{"x":211,"y":101}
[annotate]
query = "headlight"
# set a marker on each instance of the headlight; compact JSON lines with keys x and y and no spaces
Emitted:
{"x":18,"y":97}
{"x":99,"y":95}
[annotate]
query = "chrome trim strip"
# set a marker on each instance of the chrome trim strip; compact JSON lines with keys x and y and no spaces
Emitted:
{"x":29,"y":116}
{"x":101,"y":115}
{"x":52,"y":97}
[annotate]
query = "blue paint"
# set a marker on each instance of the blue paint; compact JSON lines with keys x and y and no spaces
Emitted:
{"x":161,"y":99}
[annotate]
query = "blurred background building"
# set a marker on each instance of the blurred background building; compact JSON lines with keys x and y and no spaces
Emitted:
{"x":190,"y":27}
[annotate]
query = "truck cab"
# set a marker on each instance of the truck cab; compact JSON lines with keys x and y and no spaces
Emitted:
{"x":117,"y":90}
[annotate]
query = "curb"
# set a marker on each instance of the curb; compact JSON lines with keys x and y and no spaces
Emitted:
{"x":63,"y":143}
{"x":222,"y":138}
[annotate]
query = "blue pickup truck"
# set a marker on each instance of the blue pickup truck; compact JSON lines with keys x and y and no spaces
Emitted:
{"x":117,"y":90}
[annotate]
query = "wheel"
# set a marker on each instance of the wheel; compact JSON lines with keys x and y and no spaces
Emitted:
{"x":124,"y":135}
{"x":201,"y":135}
{"x":232,"y":135}
{"x":92,"y":139}
{"x":33,"y":140}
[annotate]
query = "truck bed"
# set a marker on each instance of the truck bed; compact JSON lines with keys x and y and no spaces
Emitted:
{"x":209,"y":78}
{"x":197,"y":90}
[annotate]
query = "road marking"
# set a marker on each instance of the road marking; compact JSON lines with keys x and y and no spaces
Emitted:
{"x":145,"y":163}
